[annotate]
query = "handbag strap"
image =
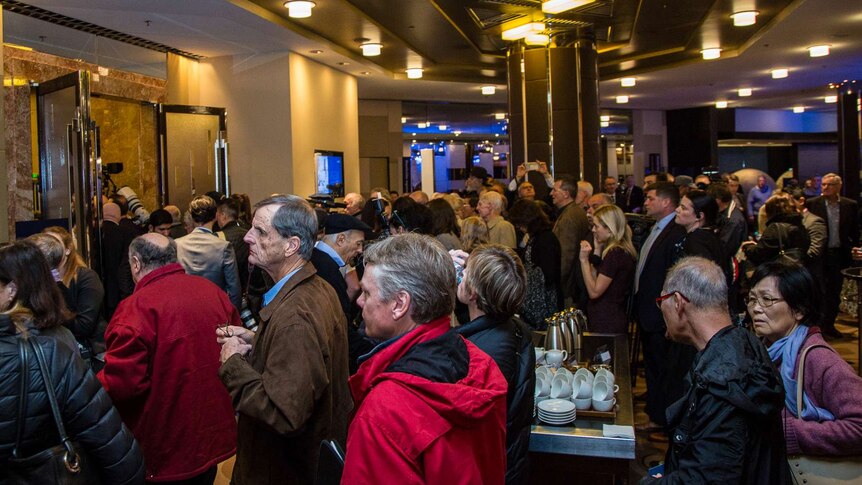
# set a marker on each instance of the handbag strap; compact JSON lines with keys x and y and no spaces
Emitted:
{"x":71,"y":458}
{"x":800,"y":375}
{"x":780,"y":229}
{"x":24,"y":356}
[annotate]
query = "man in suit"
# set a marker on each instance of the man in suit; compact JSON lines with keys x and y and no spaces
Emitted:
{"x":226,"y":218}
{"x":571,"y":227}
{"x":632,"y":196}
{"x":612,"y":188}
{"x":840,"y":214}
{"x":656,"y":256}
{"x":203,"y":253}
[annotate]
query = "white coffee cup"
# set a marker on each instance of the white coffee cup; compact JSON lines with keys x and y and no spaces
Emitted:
{"x":607,"y":374}
{"x":543,"y":386}
{"x":601,"y":391}
{"x":543,"y":371}
{"x":584,"y":390}
{"x":602,"y":405}
{"x":540,"y":355}
{"x":563,"y":372}
{"x":582,"y":404}
{"x":583,"y":371}
{"x":555,"y":357}
{"x":560,"y":388}
{"x":607,"y":381}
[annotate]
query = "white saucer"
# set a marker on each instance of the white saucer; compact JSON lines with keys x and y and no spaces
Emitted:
{"x":557,"y":406}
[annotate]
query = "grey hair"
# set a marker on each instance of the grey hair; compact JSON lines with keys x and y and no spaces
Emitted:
{"x":202,"y":209}
{"x":153,"y":256}
{"x":702,"y":282}
{"x":586,"y":187}
{"x":832,"y":176}
{"x":294,"y":217}
{"x":497,"y":201}
{"x":418,"y":265}
{"x":50,"y":247}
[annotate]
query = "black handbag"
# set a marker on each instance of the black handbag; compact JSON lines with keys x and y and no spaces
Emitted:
{"x":60,"y":464}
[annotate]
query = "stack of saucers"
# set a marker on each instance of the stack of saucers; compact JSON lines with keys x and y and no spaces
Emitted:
{"x":557,"y":412}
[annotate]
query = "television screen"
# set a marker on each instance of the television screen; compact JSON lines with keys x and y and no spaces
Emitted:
{"x":329,"y":168}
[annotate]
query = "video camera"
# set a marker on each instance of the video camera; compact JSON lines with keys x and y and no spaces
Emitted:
{"x":327,"y":201}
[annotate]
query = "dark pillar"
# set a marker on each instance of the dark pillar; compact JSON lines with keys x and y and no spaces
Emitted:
{"x":692,"y":140}
{"x":553,"y":106}
{"x":848,"y":138}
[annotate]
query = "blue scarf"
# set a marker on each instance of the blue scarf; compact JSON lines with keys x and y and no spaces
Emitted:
{"x":786,"y":349}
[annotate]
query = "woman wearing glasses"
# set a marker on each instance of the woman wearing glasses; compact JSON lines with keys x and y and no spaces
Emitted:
{"x":784,"y":307}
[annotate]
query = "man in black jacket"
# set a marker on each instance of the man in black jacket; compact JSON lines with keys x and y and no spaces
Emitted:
{"x":727,"y":427}
{"x":842,"y":225}
{"x":233,"y":232}
{"x":493,"y":287}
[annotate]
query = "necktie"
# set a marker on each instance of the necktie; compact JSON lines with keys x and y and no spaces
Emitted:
{"x":645,"y":249}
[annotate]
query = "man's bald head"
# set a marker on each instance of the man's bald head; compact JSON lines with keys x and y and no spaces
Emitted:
{"x":150,"y":252}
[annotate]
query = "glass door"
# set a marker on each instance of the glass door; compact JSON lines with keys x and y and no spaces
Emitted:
{"x":69,"y":160}
{"x":193,"y":153}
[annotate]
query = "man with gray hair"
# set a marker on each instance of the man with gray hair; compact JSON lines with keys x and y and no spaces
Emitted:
{"x":430,"y":405}
{"x":727,"y":426}
{"x":490,"y":209}
{"x":289,"y":381}
{"x":161,"y":365}
{"x":203,"y":253}
{"x":571,"y":227}
{"x":585,"y":191}
{"x":354,"y":202}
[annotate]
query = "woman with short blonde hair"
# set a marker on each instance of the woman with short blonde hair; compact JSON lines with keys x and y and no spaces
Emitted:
{"x":474,"y":232}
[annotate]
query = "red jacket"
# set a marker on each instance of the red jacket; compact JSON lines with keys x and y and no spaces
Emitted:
{"x":161,"y":371}
{"x":430,"y":408}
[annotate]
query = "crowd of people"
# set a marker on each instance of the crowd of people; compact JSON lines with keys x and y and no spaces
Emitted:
{"x":401,"y":328}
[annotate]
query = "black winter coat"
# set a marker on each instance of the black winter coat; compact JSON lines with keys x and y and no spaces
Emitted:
{"x":88,"y":415}
{"x":510,"y":344}
{"x":782,"y":231}
{"x":727,"y":428}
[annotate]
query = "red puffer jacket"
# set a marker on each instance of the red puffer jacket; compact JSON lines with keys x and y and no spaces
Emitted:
{"x":430,"y":408}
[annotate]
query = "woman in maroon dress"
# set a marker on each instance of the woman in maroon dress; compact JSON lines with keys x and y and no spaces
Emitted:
{"x":608,"y":270}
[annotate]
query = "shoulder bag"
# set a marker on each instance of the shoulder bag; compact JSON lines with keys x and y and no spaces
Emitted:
{"x":60,"y":464}
{"x":821,"y":470}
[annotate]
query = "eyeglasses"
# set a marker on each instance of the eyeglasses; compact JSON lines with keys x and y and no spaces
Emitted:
{"x":659,"y":300}
{"x":763,"y":301}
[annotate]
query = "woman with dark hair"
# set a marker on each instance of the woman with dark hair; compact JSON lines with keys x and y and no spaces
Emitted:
{"x":784,"y":234}
{"x":444,"y":224}
{"x":540,"y":251}
{"x":31,"y":310}
{"x":784,"y":307}
{"x":370,"y":216}
{"x":697,"y":212}
{"x":84,"y":295}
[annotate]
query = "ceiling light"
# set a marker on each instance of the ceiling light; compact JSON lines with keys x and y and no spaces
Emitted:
{"x":779,"y":73}
{"x":523,"y":30}
{"x":421,"y":126}
{"x":316,"y":51}
{"x":414,"y":73}
{"x":605,"y":124}
{"x":403,"y":119}
{"x":622,"y":99}
{"x":500,"y":116}
{"x":605,"y":118}
{"x":743,"y":92}
{"x":628,"y":82}
{"x":365,"y":73}
{"x":721,"y":104}
{"x":818,"y":50}
{"x":371,"y":49}
{"x":711,"y":53}
{"x":557,"y":6}
{"x":343,"y":63}
{"x":744,"y":18}
{"x":537,"y":39}
{"x":831,"y":99}
{"x":488,"y":90}
{"x":457,"y":133}
{"x":798,"y":109}
{"x":443,"y":127}
{"x":299,"y":9}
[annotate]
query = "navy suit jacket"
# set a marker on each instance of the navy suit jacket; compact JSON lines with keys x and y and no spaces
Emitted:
{"x":661,"y":257}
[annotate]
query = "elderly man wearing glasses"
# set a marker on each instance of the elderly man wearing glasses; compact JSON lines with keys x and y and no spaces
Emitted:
{"x":727,"y":426}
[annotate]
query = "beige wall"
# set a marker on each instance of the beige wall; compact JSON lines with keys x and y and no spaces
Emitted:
{"x":257,"y":97}
{"x":380,"y":136}
{"x":324,"y":116}
{"x":184,"y":86}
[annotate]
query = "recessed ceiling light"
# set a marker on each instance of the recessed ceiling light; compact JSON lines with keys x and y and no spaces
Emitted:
{"x":628,"y":82}
{"x":343,"y":63}
{"x":500,"y":116}
{"x":316,"y":51}
{"x":414,"y":73}
{"x":488,"y":90}
{"x":371,"y":49}
{"x":537,"y":39}
{"x":457,"y":133}
{"x":365,"y":73}
{"x":443,"y":127}
{"x":422,"y":126}
{"x":403,"y":119}
{"x":711,"y":53}
{"x":721,"y":104}
{"x":557,"y":6}
{"x":744,"y":18}
{"x":743,"y":92}
{"x":622,"y":99}
{"x":798,"y":109}
{"x":818,"y":50}
{"x":522,"y":31}
{"x":780,"y":73}
{"x":299,"y":9}
{"x":605,"y":124}
{"x":831,"y":99}
{"x":605,"y":118}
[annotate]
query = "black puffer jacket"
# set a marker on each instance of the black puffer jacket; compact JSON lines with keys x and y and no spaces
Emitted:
{"x":727,"y":428}
{"x":783,"y":231}
{"x":88,"y":415}
{"x":510,"y":344}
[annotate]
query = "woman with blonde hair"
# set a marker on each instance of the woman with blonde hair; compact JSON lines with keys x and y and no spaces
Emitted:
{"x":474,"y":233}
{"x":608,"y":270}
